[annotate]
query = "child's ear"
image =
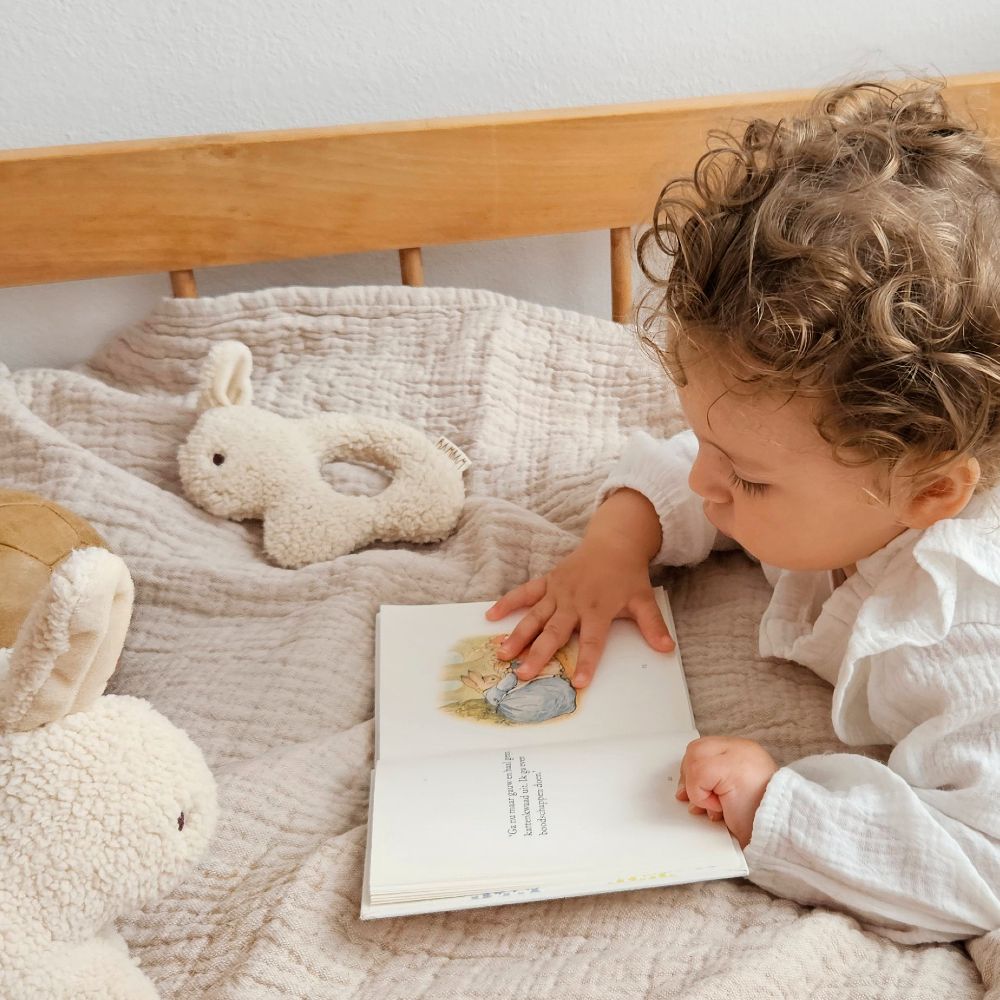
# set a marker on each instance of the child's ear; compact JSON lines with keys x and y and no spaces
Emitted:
{"x":944,"y":493}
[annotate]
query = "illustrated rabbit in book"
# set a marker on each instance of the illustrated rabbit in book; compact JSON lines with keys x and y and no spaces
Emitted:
{"x":548,"y":695}
{"x":104,"y":804}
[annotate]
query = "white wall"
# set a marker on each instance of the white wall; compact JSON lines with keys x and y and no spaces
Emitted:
{"x":100,"y":70}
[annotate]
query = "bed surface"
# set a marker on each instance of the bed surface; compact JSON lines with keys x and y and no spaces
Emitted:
{"x":270,"y":670}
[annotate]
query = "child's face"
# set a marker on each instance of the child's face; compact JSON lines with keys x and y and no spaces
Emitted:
{"x":770,"y":481}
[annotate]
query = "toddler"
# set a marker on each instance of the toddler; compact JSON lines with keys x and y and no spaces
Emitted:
{"x":830,"y":315}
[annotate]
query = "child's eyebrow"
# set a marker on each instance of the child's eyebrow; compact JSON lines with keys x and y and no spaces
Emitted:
{"x":746,"y":464}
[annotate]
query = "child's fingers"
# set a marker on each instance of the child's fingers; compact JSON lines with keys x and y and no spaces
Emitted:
{"x":593,"y":638}
{"x":696,"y":810}
{"x":709,"y":802}
{"x":527,"y":628}
{"x":554,"y":634}
{"x":704,"y":779}
{"x":648,"y":617}
{"x":529,"y":592}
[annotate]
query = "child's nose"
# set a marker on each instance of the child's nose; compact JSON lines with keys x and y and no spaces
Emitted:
{"x":707,"y":482}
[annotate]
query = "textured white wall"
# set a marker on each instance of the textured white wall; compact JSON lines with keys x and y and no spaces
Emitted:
{"x":84,"y":72}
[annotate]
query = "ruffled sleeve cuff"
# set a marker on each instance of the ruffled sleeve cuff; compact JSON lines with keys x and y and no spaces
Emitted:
{"x":659,"y":470}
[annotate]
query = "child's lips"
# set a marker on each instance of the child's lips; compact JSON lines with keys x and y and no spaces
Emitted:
{"x":713,"y":519}
{"x":706,"y":506}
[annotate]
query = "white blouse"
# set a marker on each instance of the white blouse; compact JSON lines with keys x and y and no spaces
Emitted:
{"x":911,"y":644}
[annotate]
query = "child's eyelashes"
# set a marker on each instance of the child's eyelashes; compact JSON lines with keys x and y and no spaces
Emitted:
{"x":752,"y":489}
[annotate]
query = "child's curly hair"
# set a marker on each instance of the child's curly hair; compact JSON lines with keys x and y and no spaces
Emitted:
{"x":853,"y":255}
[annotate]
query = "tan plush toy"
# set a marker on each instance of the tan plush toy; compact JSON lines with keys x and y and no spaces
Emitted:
{"x":103,"y":803}
{"x":242,"y":462}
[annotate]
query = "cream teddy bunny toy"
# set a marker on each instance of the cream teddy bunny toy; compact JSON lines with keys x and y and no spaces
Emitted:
{"x":242,"y":462}
{"x":104,"y":804}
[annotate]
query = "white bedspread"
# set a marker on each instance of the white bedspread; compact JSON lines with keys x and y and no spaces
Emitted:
{"x":270,"y":670}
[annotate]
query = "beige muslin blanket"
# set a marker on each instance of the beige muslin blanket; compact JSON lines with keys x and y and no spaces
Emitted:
{"x":270,"y":670}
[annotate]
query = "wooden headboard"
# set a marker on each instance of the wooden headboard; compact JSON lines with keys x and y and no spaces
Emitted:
{"x":175,"y":205}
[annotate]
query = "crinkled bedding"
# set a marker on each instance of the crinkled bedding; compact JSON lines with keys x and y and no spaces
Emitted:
{"x":270,"y":670}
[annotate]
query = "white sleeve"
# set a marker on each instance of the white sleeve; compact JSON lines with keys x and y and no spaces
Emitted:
{"x":916,"y":858}
{"x":659,"y":470}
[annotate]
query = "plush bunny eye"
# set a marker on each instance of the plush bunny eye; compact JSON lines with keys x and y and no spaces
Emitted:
{"x":218,"y":459}
{"x":180,"y":822}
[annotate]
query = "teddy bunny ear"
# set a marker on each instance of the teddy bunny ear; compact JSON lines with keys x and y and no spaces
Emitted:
{"x":68,"y":646}
{"x":225,"y":376}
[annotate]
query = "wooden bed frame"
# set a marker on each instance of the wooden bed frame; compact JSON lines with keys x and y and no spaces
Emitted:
{"x":118,"y":208}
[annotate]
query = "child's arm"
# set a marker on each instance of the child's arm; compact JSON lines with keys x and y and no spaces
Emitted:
{"x":659,"y":470}
{"x":846,"y":831}
{"x":645,"y":512}
{"x":912,"y":847}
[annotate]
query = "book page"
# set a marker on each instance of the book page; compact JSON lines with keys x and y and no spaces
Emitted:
{"x":440,"y":687}
{"x":537,"y":818}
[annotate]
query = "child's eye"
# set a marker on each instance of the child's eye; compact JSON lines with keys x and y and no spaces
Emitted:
{"x":753,"y":489}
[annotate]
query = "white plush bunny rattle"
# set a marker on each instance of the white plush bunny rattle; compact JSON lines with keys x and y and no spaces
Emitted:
{"x":104,"y":804}
{"x":242,"y":462}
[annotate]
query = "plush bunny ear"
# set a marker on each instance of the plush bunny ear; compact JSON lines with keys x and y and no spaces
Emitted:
{"x":68,"y":646}
{"x":225,"y":376}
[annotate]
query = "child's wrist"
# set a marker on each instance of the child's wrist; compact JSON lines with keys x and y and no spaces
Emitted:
{"x":628,"y":523}
{"x":605,"y":546}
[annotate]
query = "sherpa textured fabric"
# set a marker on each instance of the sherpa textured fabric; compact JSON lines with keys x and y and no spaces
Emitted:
{"x":270,"y":670}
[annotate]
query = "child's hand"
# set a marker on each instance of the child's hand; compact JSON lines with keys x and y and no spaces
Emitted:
{"x":726,"y":777}
{"x":592,"y":586}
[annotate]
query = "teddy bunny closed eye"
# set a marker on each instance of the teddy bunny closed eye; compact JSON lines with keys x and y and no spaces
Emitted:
{"x":104,"y":804}
{"x":242,"y":462}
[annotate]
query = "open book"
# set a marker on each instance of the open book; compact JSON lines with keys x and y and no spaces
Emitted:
{"x":491,"y":790}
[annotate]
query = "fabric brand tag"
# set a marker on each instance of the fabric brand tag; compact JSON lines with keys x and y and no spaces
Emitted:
{"x":453,"y":451}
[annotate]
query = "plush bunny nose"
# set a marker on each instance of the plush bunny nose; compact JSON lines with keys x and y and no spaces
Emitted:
{"x":180,"y":822}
